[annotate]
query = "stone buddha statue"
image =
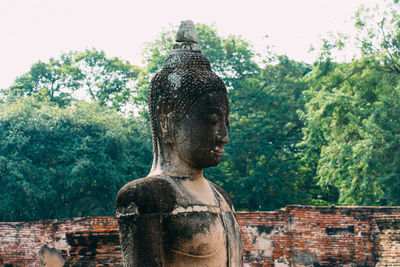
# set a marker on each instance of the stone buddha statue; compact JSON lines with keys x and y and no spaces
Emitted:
{"x":174,"y":216}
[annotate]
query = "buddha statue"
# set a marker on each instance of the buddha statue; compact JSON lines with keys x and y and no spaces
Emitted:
{"x":174,"y":216}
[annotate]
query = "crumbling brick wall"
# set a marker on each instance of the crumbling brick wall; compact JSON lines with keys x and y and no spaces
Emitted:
{"x":94,"y":247}
{"x":389,"y":236}
{"x":318,"y":236}
{"x":295,"y":236}
{"x":334,"y":236}
{"x":21,"y":242}
{"x":264,"y":236}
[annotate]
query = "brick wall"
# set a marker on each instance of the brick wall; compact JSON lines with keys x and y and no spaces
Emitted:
{"x":389,"y":236}
{"x":295,"y":236}
{"x":264,"y":236}
{"x":334,"y":236}
{"x":93,"y":246}
{"x":321,"y":236}
{"x":21,"y":242}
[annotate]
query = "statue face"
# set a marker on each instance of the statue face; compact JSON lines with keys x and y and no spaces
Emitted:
{"x":199,"y":137}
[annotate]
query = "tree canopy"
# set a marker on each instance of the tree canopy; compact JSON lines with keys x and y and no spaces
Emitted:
{"x":262,"y":169}
{"x":324,"y":133}
{"x":351,"y":119}
{"x":66,"y":162}
{"x":79,"y":75}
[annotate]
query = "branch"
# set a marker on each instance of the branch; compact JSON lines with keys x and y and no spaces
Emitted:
{"x":380,"y":25}
{"x":91,"y":92}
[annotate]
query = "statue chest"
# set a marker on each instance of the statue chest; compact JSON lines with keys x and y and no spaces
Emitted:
{"x":195,"y":237}
{"x":195,"y":233}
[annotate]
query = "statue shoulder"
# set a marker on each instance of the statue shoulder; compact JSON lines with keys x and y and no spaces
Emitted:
{"x":224,"y":194}
{"x":148,"y":195}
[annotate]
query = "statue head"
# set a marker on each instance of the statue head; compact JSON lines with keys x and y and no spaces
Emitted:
{"x":188,"y":105}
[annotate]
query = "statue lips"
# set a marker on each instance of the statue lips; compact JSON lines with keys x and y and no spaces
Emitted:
{"x":218,"y":152}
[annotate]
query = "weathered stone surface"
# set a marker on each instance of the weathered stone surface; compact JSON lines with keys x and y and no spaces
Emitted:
{"x":187,"y":32}
{"x":174,"y":216}
{"x":51,"y":257}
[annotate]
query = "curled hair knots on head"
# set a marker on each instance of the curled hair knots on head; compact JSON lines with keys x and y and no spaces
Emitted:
{"x":185,"y":76}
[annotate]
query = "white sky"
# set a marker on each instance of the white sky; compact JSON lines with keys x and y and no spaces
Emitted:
{"x":33,"y":30}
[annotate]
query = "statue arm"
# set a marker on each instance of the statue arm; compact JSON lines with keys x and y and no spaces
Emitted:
{"x":140,"y":233}
{"x":128,"y":231}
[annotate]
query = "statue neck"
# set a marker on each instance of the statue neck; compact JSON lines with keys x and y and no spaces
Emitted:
{"x":166,"y":162}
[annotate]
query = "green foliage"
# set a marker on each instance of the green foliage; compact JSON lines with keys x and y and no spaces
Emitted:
{"x":351,"y":131}
{"x":231,"y":57}
{"x":69,"y":162}
{"x":351,"y":120}
{"x":378,"y":33}
{"x":55,"y":81}
{"x":108,"y":81}
{"x":91,"y":74}
{"x":262,"y":169}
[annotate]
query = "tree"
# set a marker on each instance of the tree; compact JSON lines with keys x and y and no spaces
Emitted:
{"x":378,"y":34}
{"x":108,"y":81}
{"x":262,"y":169}
{"x":56,"y":81}
{"x":351,"y":118}
{"x":76,"y":75}
{"x":69,"y":162}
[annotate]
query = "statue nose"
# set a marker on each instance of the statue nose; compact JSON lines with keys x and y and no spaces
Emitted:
{"x":222,"y":134}
{"x":223,"y":138}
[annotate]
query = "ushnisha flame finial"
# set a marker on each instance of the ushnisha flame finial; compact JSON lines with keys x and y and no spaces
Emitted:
{"x":186,"y":32}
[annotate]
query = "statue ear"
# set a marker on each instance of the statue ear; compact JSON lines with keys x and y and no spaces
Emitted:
{"x":164,"y":117}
